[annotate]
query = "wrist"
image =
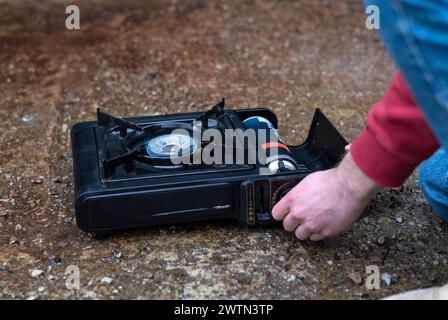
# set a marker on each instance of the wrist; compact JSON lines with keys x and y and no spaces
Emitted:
{"x":356,"y":181}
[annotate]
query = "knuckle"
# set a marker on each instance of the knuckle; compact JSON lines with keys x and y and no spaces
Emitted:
{"x":297,"y":214}
{"x":308,"y":229}
{"x":312,"y":225}
{"x":286,"y":225}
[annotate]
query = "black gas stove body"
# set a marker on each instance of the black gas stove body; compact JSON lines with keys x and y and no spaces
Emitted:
{"x":118,"y":185}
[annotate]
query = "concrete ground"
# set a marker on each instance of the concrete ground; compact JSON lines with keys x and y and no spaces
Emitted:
{"x":150,"y":57}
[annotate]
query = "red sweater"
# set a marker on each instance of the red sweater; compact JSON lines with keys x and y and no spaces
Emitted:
{"x":396,"y":138}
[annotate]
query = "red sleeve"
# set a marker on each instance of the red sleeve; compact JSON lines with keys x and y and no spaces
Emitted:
{"x":396,"y":139}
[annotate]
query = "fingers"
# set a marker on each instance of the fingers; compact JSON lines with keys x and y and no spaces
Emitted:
{"x":303,"y":232}
{"x":291,"y":222}
{"x":316,"y":237}
{"x":280,"y":210}
{"x":347,"y":147}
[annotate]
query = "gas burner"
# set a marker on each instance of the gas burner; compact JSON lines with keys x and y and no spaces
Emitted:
{"x":143,"y":171}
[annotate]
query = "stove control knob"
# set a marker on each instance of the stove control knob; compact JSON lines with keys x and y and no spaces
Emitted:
{"x":281,"y":192}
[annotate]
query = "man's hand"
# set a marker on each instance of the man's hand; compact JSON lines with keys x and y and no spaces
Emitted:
{"x":326,"y":203}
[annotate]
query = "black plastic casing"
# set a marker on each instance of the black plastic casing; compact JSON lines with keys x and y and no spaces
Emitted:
{"x":104,"y":204}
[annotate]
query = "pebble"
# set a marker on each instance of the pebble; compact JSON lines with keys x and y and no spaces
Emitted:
{"x":3,"y":267}
{"x":107,"y":280}
{"x":13,"y":240}
{"x":381,"y":240}
{"x":356,"y":277}
{"x":399,"y":219}
{"x":36,"y":181}
{"x":292,"y":278}
{"x":117,"y":254}
{"x":387,"y":278}
{"x":90,"y":295}
{"x":195,"y":273}
{"x":36,"y":273}
{"x":3,"y":214}
{"x":151,"y":76}
{"x":361,"y":295}
{"x":55,"y":260}
{"x":402,"y":247}
{"x":330,"y":262}
{"x":66,"y":157}
{"x":363,"y":247}
{"x":63,"y":243}
{"x":41,"y":289}
{"x":243,"y":278}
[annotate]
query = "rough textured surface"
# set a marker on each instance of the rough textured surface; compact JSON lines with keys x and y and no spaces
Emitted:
{"x":152,"y":57}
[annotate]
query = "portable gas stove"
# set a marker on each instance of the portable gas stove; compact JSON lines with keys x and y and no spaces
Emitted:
{"x":128,"y":172}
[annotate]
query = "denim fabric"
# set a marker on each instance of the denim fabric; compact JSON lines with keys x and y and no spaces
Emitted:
{"x":433,"y":177}
{"x":416,"y":34}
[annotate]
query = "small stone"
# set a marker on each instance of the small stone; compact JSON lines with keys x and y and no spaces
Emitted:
{"x":361,"y":295}
{"x":41,"y":289}
{"x":57,"y":180}
{"x":117,"y":254}
{"x":330,"y":262}
{"x":356,"y":277}
{"x":292,"y":278}
{"x":195,"y":273}
{"x":363,"y":247}
{"x":55,"y":260}
{"x":3,"y":267}
{"x":66,"y":157}
{"x":399,"y":219}
{"x":403,"y":247}
{"x":3,"y":214}
{"x":36,"y":181}
{"x":36,"y":273}
{"x":13,"y":240}
{"x":387,"y":278}
{"x":381,"y":240}
{"x":63,"y":243}
{"x":107,"y":280}
{"x":151,"y":76}
{"x":243,"y":278}
{"x":90,"y":295}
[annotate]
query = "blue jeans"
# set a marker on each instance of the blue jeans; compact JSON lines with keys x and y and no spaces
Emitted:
{"x":416,"y":35}
{"x":433,"y":177}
